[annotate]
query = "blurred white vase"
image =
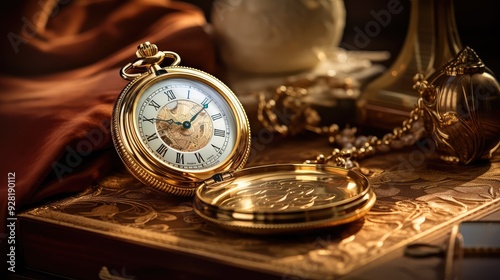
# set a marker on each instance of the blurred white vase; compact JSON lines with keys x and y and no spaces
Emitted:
{"x":278,"y":36}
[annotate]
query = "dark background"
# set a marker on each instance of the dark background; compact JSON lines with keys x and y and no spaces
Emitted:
{"x":477,"y":22}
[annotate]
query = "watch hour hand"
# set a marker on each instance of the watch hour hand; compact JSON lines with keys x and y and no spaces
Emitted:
{"x":169,"y":121}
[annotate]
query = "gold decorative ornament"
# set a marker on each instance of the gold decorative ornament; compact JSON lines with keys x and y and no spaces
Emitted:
{"x":182,"y":131}
{"x":461,"y":108}
{"x":458,"y":107}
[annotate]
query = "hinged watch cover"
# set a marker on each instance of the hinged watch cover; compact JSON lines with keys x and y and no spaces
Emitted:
{"x":285,"y":198}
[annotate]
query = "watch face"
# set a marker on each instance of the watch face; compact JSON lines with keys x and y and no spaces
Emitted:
{"x":185,"y":123}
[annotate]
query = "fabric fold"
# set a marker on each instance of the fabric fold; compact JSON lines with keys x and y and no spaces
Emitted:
{"x":60,"y":80}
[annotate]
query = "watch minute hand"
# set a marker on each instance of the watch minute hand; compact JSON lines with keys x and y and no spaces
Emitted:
{"x":197,"y":113}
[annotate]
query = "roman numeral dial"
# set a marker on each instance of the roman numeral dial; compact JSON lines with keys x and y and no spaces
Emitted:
{"x":186,"y":124}
{"x":175,"y":127}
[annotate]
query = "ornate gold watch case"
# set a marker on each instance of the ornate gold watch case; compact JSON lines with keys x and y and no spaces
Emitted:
{"x":182,"y":131}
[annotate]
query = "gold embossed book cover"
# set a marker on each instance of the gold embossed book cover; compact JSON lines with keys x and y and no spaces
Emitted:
{"x":121,"y":228}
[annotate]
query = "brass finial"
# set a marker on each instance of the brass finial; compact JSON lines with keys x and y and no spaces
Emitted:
{"x":465,"y":62}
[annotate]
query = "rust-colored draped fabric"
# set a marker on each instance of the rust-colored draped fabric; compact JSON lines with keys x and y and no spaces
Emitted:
{"x":60,"y":78}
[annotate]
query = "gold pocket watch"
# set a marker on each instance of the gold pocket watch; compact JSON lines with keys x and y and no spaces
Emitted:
{"x":184,"y":132}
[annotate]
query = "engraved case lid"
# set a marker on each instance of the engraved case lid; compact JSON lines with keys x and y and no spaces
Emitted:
{"x":284,"y":198}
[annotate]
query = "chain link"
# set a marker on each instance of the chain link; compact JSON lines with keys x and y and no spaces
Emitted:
{"x":349,"y":148}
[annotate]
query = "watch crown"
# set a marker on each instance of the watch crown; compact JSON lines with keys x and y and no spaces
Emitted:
{"x":146,"y":49}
